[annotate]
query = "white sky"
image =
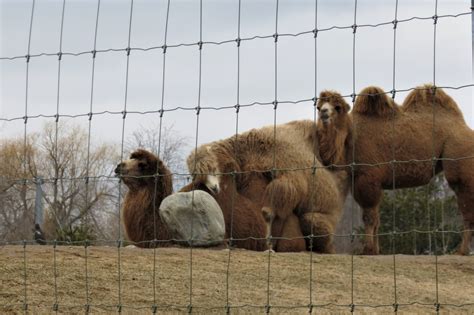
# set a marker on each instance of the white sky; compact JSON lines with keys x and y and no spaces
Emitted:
{"x":296,"y":69}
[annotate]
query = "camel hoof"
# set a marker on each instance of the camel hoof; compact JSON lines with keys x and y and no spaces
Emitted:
{"x":329,"y":251}
{"x":269,"y":247}
{"x":463,"y":252}
{"x":369,"y":251}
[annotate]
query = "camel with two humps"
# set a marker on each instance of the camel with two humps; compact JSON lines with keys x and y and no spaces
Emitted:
{"x":428,"y":130}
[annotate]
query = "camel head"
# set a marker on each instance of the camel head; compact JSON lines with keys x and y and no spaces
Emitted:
{"x":203,"y":165}
{"x":331,"y":108}
{"x":139,"y":169}
{"x":334,"y":127}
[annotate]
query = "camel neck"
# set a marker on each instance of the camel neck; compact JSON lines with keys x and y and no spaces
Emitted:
{"x":332,"y":144}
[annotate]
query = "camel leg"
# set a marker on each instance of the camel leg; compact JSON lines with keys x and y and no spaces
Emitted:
{"x":376,"y":232}
{"x":318,"y":224}
{"x":294,"y":241}
{"x":368,"y":195}
{"x":459,"y":175}
{"x":371,"y":218}
{"x":268,"y":215}
{"x":466,"y":206}
{"x":464,"y":248}
{"x":275,"y":224}
{"x":279,"y":201}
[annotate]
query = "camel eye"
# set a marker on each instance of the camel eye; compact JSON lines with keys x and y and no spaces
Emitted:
{"x":338,"y":108}
{"x":141,"y":165}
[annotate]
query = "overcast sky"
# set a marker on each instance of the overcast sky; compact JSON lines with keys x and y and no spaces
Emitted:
{"x":296,"y":60}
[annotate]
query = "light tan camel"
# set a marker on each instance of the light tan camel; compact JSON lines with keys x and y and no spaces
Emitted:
{"x":274,"y":172}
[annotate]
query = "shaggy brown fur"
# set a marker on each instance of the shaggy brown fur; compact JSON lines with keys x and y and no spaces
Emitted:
{"x":242,"y":214}
{"x":281,"y":194}
{"x":372,"y":101}
{"x":140,"y":208}
{"x":429,"y":97}
{"x":382,"y":132}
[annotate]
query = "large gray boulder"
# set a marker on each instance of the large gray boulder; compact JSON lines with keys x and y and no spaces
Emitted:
{"x":197,"y":218}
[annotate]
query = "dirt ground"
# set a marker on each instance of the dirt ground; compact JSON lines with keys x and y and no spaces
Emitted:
{"x":162,"y":278}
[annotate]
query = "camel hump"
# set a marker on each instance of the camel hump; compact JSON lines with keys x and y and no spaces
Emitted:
{"x":373,"y":101}
{"x":427,"y":97}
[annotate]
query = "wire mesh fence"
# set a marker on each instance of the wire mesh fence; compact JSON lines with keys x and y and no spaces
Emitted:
{"x":101,"y":182}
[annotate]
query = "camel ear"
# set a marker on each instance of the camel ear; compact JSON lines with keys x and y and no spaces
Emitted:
{"x":136,"y":155}
{"x":324,"y":95}
{"x":345,"y":107}
{"x":145,"y":165}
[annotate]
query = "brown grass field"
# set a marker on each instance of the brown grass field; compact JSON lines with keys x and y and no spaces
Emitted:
{"x":370,"y":287}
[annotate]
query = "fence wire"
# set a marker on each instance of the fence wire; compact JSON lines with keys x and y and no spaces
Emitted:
{"x":160,"y":110}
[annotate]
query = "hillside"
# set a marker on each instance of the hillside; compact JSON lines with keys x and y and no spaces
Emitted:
{"x":373,"y":281}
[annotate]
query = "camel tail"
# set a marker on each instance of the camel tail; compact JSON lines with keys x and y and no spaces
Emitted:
{"x":427,"y":97}
{"x":373,"y":101}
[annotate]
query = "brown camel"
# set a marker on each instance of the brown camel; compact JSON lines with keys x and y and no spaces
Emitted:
{"x":273,"y":172}
{"x":242,"y":219}
{"x":428,"y":130}
{"x":140,"y":209}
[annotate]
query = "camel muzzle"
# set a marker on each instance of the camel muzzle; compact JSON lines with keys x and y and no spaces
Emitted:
{"x":324,"y":118}
{"x":215,"y":189}
{"x":119,"y":169}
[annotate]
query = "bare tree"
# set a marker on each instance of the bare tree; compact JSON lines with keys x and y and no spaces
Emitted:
{"x":17,"y":173}
{"x":79,"y":189}
{"x":78,"y":181}
{"x":170,"y":146}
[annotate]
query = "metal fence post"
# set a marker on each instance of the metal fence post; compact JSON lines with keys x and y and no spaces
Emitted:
{"x":39,"y":202}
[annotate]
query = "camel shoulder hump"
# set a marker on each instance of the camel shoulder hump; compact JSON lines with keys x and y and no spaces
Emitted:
{"x":374,"y":101}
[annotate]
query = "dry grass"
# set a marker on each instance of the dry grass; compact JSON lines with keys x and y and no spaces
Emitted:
{"x":373,"y":281}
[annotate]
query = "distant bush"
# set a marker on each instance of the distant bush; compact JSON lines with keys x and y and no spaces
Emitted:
{"x":429,"y":210}
{"x":75,"y":235}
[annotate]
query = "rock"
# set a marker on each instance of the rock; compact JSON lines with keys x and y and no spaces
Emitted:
{"x":202,"y":223}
